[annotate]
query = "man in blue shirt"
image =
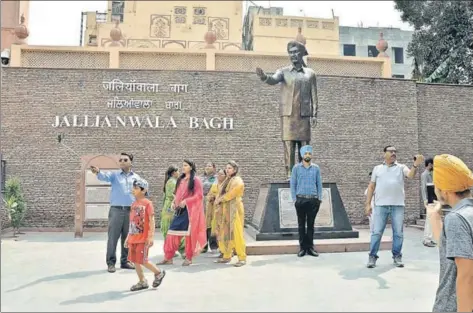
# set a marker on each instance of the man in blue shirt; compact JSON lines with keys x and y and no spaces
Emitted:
{"x":306,"y":191}
{"x":121,"y":199}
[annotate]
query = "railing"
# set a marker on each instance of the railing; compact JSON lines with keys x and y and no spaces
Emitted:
{"x":190,"y":60}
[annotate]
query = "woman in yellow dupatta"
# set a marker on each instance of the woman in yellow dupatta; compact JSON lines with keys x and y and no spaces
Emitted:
{"x":230,"y":217}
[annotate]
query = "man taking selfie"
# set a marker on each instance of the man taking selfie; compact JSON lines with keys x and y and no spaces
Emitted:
{"x":387,"y":184}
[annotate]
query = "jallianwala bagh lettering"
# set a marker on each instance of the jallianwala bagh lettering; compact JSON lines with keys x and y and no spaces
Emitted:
{"x":145,"y":121}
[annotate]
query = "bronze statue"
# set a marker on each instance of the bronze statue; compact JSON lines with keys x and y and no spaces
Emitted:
{"x":298,"y":107}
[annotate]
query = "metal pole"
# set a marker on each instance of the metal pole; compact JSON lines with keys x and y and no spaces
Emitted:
{"x":81,"y":27}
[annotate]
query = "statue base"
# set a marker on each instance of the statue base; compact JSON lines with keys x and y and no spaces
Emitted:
{"x":275,"y":216}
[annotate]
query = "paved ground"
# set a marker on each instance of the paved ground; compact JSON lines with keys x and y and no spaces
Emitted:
{"x":54,"y":272}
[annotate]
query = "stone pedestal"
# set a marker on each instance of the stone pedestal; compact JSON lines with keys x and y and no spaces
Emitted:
{"x":275,"y":215}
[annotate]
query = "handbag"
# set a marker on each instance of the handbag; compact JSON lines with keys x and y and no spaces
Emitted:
{"x":180,"y":222}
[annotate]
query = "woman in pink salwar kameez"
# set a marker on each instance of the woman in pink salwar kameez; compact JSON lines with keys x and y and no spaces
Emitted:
{"x":189,"y":219}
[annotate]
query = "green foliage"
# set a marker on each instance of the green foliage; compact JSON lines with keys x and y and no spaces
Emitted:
{"x":14,"y":203}
{"x":442,"y":43}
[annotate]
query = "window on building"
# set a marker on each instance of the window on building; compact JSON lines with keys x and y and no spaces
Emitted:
{"x":118,"y":10}
{"x":398,"y":76}
{"x":372,"y":51}
{"x":349,"y":50}
{"x":398,"y":55}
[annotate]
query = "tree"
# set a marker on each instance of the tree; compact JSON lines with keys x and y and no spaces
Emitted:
{"x":442,"y":43}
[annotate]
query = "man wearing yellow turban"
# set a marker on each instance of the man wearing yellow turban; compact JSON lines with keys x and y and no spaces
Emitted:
{"x":453,"y":181}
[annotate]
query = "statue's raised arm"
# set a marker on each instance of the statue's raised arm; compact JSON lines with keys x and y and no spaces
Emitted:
{"x":274,"y":79}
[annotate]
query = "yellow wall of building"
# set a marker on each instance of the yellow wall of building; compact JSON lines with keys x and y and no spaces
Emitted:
{"x":272,"y":33}
{"x":172,"y":24}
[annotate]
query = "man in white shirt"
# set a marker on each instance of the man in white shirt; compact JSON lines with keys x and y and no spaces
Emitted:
{"x":387,"y":185}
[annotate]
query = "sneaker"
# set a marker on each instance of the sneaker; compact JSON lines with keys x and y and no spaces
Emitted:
{"x":111,"y":268}
{"x":398,"y":261}
{"x":372,"y":262}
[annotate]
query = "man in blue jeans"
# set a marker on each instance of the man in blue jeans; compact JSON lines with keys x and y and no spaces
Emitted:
{"x":387,"y":184}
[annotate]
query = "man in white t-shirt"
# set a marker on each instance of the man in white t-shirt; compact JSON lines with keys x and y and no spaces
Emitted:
{"x":387,"y":185}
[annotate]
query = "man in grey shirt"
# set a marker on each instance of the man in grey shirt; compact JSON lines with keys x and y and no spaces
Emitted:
{"x":426,"y":179}
{"x":453,"y":180}
{"x":387,"y":184}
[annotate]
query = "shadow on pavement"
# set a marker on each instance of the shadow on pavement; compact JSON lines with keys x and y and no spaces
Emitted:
{"x":73,"y":275}
{"x":372,"y":273}
{"x":103,"y":297}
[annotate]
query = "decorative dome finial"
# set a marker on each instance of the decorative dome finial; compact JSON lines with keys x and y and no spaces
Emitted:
{"x":21,"y":31}
{"x":116,"y":34}
{"x":382,"y":46}
{"x":210,"y":37}
{"x":300,"y":37}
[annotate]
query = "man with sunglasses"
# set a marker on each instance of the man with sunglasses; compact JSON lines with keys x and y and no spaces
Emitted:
{"x":387,"y":185}
{"x":121,"y":199}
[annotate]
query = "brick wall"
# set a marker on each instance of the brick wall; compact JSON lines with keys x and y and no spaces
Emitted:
{"x":357,"y":118}
{"x":446,"y":120}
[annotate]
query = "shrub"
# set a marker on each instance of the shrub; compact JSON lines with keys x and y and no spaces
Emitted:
{"x":14,"y":203}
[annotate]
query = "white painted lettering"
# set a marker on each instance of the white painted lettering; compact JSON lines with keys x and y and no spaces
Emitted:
{"x":193,"y":122}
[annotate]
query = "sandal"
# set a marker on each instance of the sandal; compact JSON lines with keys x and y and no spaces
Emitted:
{"x":240,"y":263}
{"x":158,"y":279}
{"x":140,"y":286}
{"x":165,"y":262}
{"x":223,"y":261}
{"x":186,"y":263}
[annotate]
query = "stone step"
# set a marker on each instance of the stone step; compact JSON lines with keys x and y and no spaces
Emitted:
{"x":271,"y":247}
{"x":420,"y":222}
{"x":416,"y":226}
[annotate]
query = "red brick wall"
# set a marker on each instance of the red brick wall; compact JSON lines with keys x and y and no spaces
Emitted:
{"x":357,"y":118}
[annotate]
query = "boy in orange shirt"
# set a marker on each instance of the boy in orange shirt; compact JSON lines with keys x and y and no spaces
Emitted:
{"x":141,"y":234}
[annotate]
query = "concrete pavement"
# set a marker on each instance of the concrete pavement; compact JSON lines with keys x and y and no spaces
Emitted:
{"x":55,"y":272}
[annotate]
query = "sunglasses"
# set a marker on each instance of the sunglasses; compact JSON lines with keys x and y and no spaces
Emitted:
{"x":391,"y":151}
{"x":123,"y":160}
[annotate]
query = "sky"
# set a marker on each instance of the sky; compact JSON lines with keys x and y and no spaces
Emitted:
{"x":57,"y":23}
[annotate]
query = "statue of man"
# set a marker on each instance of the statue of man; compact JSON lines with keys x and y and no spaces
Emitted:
{"x":298,"y":106}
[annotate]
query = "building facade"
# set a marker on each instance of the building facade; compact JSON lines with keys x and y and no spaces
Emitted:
{"x":165,"y":24}
{"x":11,"y":18}
{"x":269,"y":30}
{"x":361,"y":42}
